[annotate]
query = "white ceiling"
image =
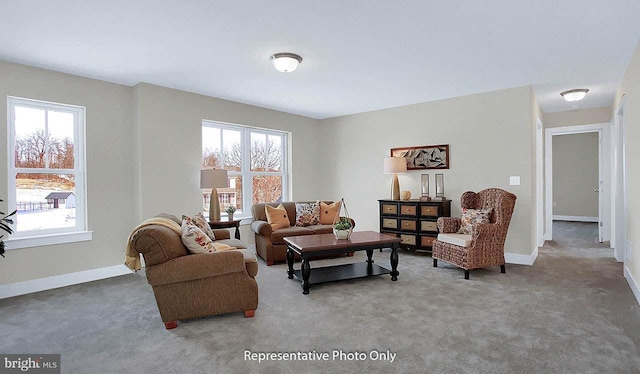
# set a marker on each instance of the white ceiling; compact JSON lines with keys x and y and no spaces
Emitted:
{"x":359,"y":55}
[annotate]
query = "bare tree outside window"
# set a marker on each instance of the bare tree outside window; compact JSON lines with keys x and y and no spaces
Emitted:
{"x":261,"y":152}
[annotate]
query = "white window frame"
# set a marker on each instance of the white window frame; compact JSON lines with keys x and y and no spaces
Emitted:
{"x":246,"y":173}
{"x":80,"y":231}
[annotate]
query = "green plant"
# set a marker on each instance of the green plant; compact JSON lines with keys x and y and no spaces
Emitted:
{"x":343,"y":223}
{"x":5,"y":221}
{"x":230,"y":209}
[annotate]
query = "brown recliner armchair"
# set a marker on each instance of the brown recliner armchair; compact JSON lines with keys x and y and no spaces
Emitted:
{"x":196,"y":285}
{"x":485,"y":245}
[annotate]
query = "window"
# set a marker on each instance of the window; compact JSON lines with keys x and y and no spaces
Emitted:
{"x":255,"y":160}
{"x":46,"y":169}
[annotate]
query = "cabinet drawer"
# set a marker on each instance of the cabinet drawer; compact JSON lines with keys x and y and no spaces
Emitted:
{"x":407,"y":224}
{"x":389,"y":209}
{"x":429,"y":210}
{"x":427,"y":241}
{"x":409,"y":210}
{"x":428,"y":226}
{"x":390,"y":223}
{"x":408,"y":239}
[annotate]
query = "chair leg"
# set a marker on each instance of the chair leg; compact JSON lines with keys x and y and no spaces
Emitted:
{"x":466,"y":274}
{"x":435,"y":262}
{"x":170,"y":325}
{"x":503,"y":269}
{"x":249,"y":313}
{"x":269,"y":263}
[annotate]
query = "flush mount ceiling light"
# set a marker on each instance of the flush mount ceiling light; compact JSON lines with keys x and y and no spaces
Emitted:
{"x":574,"y":95}
{"x":286,"y":62}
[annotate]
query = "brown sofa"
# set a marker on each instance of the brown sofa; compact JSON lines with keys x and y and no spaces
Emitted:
{"x":196,"y":285}
{"x":270,"y":244}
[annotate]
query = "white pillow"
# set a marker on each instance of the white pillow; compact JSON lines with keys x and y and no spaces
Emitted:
{"x":195,"y":239}
{"x":202,"y":224}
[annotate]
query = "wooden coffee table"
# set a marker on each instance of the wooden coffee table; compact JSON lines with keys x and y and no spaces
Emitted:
{"x":308,"y":246}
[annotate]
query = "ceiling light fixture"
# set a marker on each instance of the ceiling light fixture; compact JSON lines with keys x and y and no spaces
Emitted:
{"x":574,"y":95}
{"x":286,"y":62}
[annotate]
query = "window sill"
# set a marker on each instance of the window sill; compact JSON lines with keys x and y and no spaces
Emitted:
{"x":51,"y":239}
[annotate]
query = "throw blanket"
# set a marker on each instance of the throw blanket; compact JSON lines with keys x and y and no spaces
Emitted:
{"x":131,"y":257}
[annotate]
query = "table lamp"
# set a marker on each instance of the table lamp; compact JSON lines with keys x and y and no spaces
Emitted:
{"x":214,"y":178}
{"x":395,"y":165}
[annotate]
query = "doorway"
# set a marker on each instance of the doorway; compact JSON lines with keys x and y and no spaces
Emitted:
{"x":601,"y":185}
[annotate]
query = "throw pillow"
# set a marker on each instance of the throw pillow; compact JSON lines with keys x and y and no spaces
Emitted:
{"x":307,"y":214}
{"x":195,"y":239}
{"x":328,"y":212}
{"x":277,"y":217}
{"x":201,"y":223}
{"x":471,"y":217}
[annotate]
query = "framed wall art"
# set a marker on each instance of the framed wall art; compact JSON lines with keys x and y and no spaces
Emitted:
{"x":425,"y":157}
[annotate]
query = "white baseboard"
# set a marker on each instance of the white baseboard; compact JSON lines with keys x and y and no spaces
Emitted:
{"x":575,"y":218}
{"x":42,"y":284}
{"x":514,"y":258}
{"x":632,"y":283}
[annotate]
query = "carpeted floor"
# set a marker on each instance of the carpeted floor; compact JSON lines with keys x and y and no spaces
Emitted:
{"x":572,"y":312}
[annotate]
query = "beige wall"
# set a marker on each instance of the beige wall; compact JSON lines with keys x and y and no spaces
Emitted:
{"x":170,"y":126}
{"x":110,"y":174}
{"x":143,"y":157}
{"x":630,"y":89}
{"x":577,"y":117}
{"x":575,"y":175}
{"x":490,"y":138}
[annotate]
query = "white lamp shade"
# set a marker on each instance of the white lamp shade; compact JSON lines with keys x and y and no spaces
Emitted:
{"x":575,"y":95}
{"x":394,"y":165}
{"x":286,"y":62}
{"x":214,"y":178}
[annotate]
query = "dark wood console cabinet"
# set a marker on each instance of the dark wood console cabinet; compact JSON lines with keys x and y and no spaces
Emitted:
{"x":413,"y":221}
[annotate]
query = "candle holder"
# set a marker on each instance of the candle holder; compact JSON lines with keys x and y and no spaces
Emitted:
{"x":440,"y":187}
{"x":424,"y":187}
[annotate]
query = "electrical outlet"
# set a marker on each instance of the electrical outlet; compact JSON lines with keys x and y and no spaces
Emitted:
{"x":514,"y":180}
{"x":628,"y":251}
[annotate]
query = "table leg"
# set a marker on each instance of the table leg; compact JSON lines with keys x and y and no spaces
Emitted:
{"x":290,"y":262}
{"x":394,"y":263}
{"x":369,"y":256}
{"x":237,"y":233}
{"x":306,"y":272}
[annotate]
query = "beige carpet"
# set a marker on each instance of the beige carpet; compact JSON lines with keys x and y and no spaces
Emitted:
{"x":572,"y":312}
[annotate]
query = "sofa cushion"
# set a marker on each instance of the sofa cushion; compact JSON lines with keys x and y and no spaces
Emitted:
{"x":278,"y":235}
{"x":471,"y":217}
{"x":222,"y":247}
{"x":461,"y":240}
{"x":277,"y":217}
{"x":202,"y":224}
{"x":321,"y":229}
{"x":195,"y":239}
{"x":307,"y":214}
{"x":233,"y":243}
{"x":250,"y":261}
{"x":328,"y":212}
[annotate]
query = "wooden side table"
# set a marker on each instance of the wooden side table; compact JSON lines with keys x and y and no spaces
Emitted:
{"x":227,"y":225}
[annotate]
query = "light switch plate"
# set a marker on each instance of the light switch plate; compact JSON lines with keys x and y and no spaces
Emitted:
{"x":514,"y":181}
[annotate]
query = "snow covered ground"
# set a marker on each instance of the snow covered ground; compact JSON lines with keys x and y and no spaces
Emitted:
{"x":42,"y":219}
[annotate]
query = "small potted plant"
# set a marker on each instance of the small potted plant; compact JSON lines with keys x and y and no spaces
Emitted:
{"x":4,"y":226}
{"x":342,"y":228}
{"x":230,"y":209}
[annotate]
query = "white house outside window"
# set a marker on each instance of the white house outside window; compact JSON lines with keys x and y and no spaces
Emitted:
{"x":255,"y":160}
{"x":46,"y":171}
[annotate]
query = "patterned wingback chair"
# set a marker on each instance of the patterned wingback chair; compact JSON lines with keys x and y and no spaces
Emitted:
{"x":485,"y":245}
